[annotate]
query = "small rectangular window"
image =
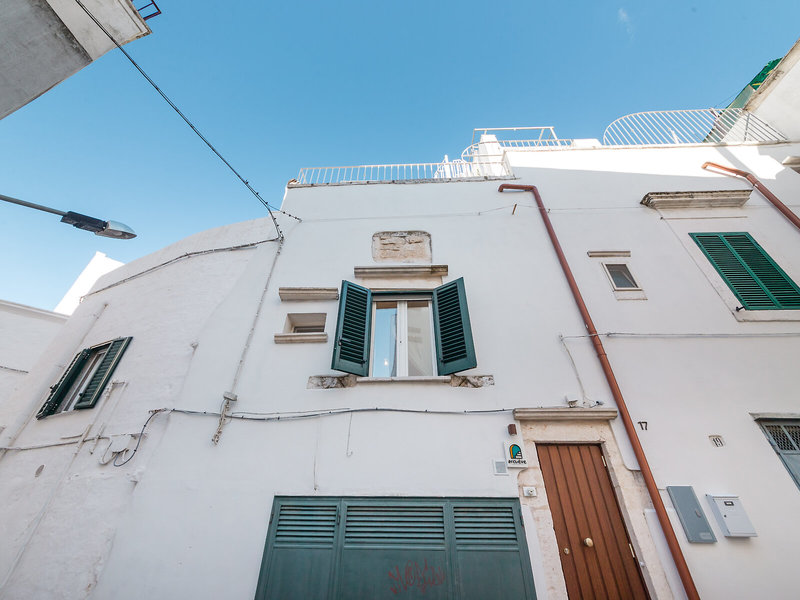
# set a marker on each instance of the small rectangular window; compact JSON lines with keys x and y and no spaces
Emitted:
{"x":620,"y":276}
{"x":87,"y":376}
{"x":305,"y":323}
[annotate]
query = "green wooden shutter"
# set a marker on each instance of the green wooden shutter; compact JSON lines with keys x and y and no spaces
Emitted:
{"x":490,"y":548}
{"x":386,"y":548}
{"x":393,"y":548}
{"x":455,"y":350}
{"x":300,"y":550}
{"x":756,"y":280}
{"x":91,"y":394}
{"x":59,"y":389}
{"x":351,"y":344}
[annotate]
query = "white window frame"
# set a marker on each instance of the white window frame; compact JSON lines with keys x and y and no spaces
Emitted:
{"x":82,"y":380}
{"x":614,"y":286}
{"x":402,"y":332}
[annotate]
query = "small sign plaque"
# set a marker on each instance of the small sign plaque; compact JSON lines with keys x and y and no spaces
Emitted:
{"x":515,"y":455}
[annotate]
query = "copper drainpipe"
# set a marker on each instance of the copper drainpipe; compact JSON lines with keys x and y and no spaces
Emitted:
{"x":650,"y":482}
{"x":760,"y":187}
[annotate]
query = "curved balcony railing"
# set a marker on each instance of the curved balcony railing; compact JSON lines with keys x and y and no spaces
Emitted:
{"x":699,"y":126}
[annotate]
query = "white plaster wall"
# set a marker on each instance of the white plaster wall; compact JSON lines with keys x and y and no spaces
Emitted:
{"x":163,"y":309}
{"x":25,"y":332}
{"x":185,"y":517}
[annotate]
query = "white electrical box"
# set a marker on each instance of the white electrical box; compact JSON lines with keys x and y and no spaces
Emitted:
{"x":731,"y":516}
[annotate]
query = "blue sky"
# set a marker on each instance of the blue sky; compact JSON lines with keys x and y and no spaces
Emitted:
{"x":282,"y":85}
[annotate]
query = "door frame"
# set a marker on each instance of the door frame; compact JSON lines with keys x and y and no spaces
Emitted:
{"x":578,"y":426}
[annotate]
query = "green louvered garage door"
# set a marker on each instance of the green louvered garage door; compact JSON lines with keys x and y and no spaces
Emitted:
{"x":373,"y":548}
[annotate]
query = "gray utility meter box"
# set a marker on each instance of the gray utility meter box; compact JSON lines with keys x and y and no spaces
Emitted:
{"x":731,"y":516}
{"x":695,"y":525}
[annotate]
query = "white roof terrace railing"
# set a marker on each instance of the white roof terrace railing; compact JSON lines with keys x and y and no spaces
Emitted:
{"x":699,"y":126}
{"x":655,"y":128}
{"x":512,"y":138}
{"x":484,"y":167}
{"x":485,"y":157}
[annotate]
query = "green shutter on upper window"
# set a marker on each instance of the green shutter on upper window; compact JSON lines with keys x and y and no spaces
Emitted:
{"x":59,"y":389}
{"x":351,"y":344}
{"x":101,"y":377}
{"x":455,"y":350}
{"x":756,"y":280}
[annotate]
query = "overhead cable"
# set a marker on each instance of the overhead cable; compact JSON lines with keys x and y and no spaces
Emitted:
{"x":266,"y":204}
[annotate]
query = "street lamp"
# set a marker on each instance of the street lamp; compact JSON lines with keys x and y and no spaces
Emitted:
{"x":109,"y":229}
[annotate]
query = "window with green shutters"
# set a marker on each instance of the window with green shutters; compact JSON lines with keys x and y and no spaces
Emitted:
{"x":86,"y":377}
{"x":751,"y":274}
{"x":373,"y":548}
{"x":403,"y":333}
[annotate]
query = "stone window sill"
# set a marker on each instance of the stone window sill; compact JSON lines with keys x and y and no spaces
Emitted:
{"x":308,"y":293}
{"x":630,"y":294}
{"x":301,"y":338}
{"x":327,"y":382}
{"x":425,"y":379}
{"x":766,"y":315}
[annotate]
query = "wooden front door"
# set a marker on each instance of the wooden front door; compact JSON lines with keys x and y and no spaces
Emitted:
{"x":595,"y":550}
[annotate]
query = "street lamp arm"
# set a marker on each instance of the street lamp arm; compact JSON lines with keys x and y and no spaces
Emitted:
{"x":60,"y":213}
{"x":110,"y":229}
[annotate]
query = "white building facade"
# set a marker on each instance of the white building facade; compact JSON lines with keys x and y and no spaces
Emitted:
{"x":194,"y":440}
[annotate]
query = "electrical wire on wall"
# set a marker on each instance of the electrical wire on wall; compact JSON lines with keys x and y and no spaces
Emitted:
{"x":230,"y":395}
{"x":153,"y":413}
{"x":226,"y":417}
{"x":295,"y":416}
{"x":186,"y":255}
{"x":266,"y":204}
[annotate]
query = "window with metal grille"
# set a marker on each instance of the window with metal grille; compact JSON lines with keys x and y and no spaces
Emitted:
{"x":784,"y":436}
{"x":751,"y":274}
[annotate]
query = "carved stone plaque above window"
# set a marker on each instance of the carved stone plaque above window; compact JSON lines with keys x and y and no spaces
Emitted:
{"x":402,"y":247}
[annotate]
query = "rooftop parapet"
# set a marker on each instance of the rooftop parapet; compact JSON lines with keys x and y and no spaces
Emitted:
{"x":486,"y":158}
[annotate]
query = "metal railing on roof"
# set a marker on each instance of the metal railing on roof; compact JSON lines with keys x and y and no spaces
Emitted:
{"x":513,"y":138}
{"x":533,"y":136}
{"x":486,"y":158}
{"x":486,"y":167}
{"x":698,"y":126}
